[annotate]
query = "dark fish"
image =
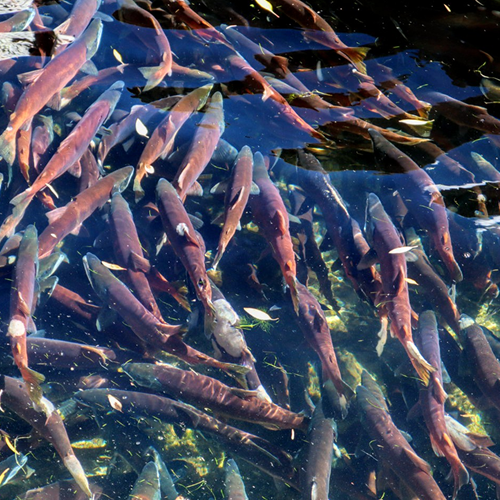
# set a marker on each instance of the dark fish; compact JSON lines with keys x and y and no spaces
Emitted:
{"x":208,"y":392}
{"x":393,"y":273}
{"x":393,"y":448}
{"x":433,"y":397}
{"x":318,"y":455}
{"x":312,"y":322}
{"x":422,"y":271}
{"x":482,"y":361}
{"x":186,"y":242}
{"x":15,"y":396}
{"x":320,"y":31}
{"x":254,"y":449}
{"x":421,"y":196}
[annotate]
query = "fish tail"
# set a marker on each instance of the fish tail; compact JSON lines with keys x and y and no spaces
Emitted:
{"x":76,"y":470}
{"x":356,"y":56}
{"x":292,"y":283}
{"x":138,"y":191}
{"x":460,"y":476}
{"x":8,"y":148}
{"x":218,"y":257}
{"x":336,"y":398}
{"x":422,"y":367}
{"x":33,"y":380}
{"x":382,"y":334}
{"x":151,"y":75}
{"x":8,"y":228}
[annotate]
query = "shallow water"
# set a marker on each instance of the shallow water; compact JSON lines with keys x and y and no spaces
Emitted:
{"x":428,"y":48}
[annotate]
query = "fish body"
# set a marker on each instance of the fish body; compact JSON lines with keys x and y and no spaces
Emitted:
{"x":114,"y":293}
{"x":73,"y":147}
{"x":320,"y":31}
{"x":256,"y":450}
{"x":15,"y":396}
{"x":147,"y":486}
{"x":432,"y":399}
{"x":234,"y":485}
{"x":235,"y":201}
{"x":131,"y":13}
{"x":208,"y":392}
{"x":186,"y":242}
{"x":270,"y":214}
{"x":128,"y":252}
{"x":202,"y":147}
{"x":483,"y":362}
{"x":393,"y":448}
{"x":316,"y":468}
{"x":312,"y":322}
{"x":65,"y":220}
{"x":22,"y":303}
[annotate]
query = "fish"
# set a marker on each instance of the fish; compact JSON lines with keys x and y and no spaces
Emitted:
{"x":270,"y":214}
{"x":393,"y":273}
{"x":312,"y":321}
{"x":114,"y":293}
{"x":121,"y":132}
{"x":14,"y":395}
{"x":318,"y":30}
{"x":201,"y":148}
{"x":234,"y":485}
{"x":131,"y":13}
{"x":422,"y":198}
{"x":393,"y":448}
{"x":207,"y":392}
{"x":50,"y":80}
{"x":481,"y":360}
{"x":161,"y":142}
{"x":22,"y":304}
{"x":129,"y":254}
{"x":147,"y":485}
{"x":69,"y":219}
{"x":422,"y":271}
{"x":433,"y":397}
{"x":237,"y":192}
{"x":186,"y":242}
{"x":316,"y":466}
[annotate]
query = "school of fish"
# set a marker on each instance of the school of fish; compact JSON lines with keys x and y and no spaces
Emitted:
{"x":243,"y":258}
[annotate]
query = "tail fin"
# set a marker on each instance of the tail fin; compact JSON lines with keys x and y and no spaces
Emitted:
{"x":292,"y":283}
{"x":356,"y":55}
{"x":33,"y":380}
{"x":422,"y":367}
{"x":76,"y":470}
{"x":8,"y":149}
